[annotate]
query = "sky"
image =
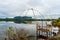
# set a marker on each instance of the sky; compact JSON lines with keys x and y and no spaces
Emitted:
{"x":47,"y":8}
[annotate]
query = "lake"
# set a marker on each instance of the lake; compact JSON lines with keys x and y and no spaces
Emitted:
{"x":30,"y":29}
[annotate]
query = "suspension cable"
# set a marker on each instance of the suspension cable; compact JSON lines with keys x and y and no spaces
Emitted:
{"x":27,"y":12}
{"x":33,"y":12}
{"x":40,"y":13}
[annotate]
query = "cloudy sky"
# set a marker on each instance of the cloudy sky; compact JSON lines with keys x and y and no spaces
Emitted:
{"x":12,"y":8}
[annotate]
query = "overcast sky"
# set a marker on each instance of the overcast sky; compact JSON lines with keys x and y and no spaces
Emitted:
{"x":11,"y":8}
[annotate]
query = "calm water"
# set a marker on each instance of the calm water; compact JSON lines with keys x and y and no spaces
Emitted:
{"x":29,"y":28}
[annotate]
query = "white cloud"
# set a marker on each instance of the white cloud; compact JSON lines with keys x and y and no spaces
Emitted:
{"x":11,"y":8}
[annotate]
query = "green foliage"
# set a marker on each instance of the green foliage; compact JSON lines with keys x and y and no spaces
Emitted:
{"x":58,"y":38}
{"x":58,"y":20}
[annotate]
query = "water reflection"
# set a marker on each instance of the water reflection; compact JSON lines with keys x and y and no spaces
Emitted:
{"x":29,"y":28}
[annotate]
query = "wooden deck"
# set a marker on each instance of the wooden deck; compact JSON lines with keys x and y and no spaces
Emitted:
{"x":39,"y":36}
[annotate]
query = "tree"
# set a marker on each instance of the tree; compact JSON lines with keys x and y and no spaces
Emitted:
{"x":56,"y":23}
